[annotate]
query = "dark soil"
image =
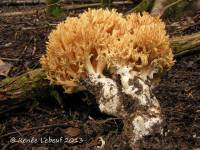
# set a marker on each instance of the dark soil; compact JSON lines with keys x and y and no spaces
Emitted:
{"x":79,"y":124}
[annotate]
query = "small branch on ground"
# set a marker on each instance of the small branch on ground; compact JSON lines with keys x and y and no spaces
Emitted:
{"x":144,"y":5}
{"x":174,"y":8}
{"x":36,"y":128}
{"x":184,"y":44}
{"x":64,"y":7}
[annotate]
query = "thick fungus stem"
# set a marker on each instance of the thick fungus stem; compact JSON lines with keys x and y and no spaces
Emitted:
{"x":106,"y":92}
{"x":145,"y":113}
{"x":131,"y":100}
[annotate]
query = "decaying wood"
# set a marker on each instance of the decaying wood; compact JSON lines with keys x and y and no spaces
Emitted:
{"x":160,"y":6}
{"x":32,"y":2}
{"x":20,"y":2}
{"x":184,"y":44}
{"x":23,"y":86}
{"x":168,"y":8}
{"x":174,"y":8}
{"x":64,"y":7}
{"x":144,"y":5}
{"x":21,"y":91}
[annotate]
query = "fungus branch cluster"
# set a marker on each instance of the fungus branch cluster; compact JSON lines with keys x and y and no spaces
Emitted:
{"x":135,"y":47}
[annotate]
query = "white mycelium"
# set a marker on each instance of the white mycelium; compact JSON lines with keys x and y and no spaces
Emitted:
{"x":112,"y":99}
{"x":143,"y":126}
{"x":148,"y":108}
{"x":106,"y":92}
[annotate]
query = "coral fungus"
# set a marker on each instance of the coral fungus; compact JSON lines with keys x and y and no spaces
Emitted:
{"x":74,"y":46}
{"x":135,"y":47}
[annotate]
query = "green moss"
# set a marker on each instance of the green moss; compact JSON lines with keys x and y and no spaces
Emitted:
{"x":20,"y":84}
{"x":52,"y":1}
{"x":106,"y":3}
{"x":145,"y":5}
{"x":54,"y":10}
{"x":178,"y":10}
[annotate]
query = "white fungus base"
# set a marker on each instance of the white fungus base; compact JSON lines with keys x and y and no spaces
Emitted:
{"x":144,"y":122}
{"x":109,"y":101}
{"x":136,"y":86}
{"x":143,"y":126}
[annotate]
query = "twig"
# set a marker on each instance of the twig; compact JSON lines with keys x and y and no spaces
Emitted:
{"x":159,"y":9}
{"x":104,"y":121}
{"x":9,"y":59}
{"x":5,"y":147}
{"x":144,"y":5}
{"x":187,"y":27}
{"x":37,"y":128}
{"x":43,"y":110}
{"x":170,"y":5}
{"x":11,"y":108}
{"x":21,"y":2}
{"x":68,"y":7}
{"x":30,"y":12}
{"x":7,"y":84}
{"x":72,"y":7}
{"x":18,"y":131}
{"x":186,"y":52}
{"x":34,"y":2}
{"x":34,"y":47}
{"x":185,"y":44}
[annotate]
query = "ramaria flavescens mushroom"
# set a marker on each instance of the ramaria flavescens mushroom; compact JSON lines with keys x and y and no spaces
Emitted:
{"x":139,"y":57}
{"x":134,"y":48}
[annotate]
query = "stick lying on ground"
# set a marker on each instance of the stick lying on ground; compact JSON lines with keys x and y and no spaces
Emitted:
{"x":184,"y":44}
{"x":133,"y":48}
{"x":65,"y":7}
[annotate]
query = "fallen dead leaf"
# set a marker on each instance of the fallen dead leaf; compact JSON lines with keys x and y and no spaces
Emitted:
{"x":4,"y":68}
{"x":73,"y":132}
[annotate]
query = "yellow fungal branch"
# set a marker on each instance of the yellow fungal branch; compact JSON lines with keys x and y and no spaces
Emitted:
{"x":74,"y":46}
{"x":145,"y":44}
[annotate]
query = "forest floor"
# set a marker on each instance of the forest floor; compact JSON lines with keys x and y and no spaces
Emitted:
{"x":81,"y":125}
